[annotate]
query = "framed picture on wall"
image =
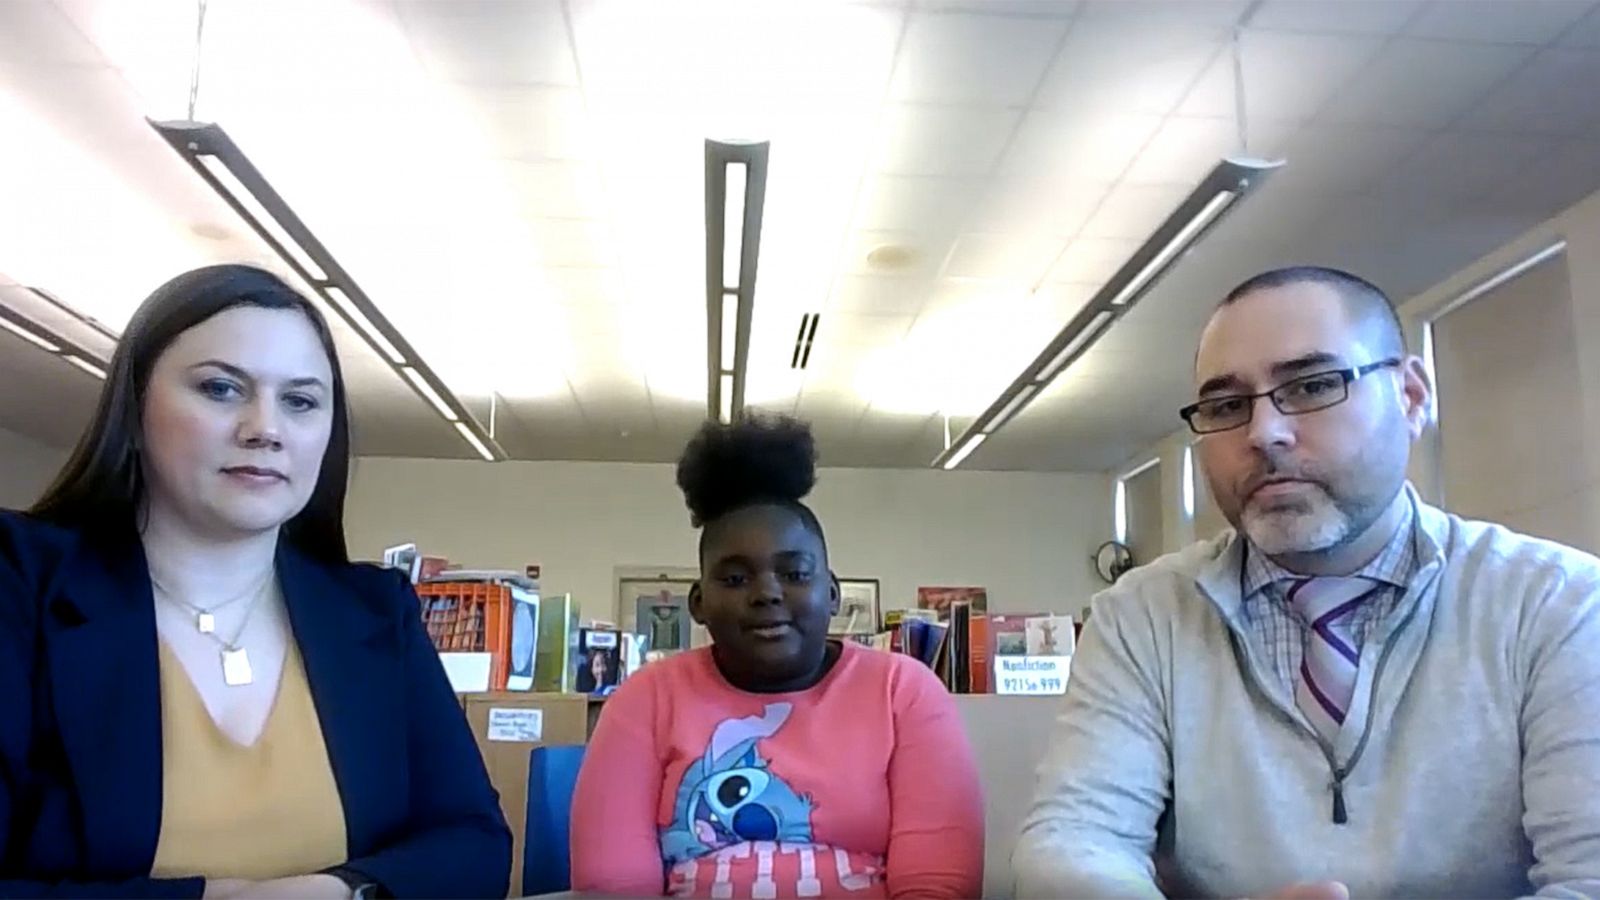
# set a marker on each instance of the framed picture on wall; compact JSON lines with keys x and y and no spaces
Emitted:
{"x":859,"y":611}
{"x":657,"y":609}
{"x":939,"y":599}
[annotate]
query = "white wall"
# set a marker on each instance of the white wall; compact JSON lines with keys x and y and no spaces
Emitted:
{"x":1026,"y":537}
{"x":26,"y":468}
{"x":1580,"y":228}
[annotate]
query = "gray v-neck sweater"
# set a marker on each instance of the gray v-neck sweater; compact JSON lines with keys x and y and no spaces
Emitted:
{"x":1474,"y":771}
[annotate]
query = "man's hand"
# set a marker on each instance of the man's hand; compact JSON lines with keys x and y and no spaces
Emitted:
{"x":300,"y":887}
{"x":1312,"y":890}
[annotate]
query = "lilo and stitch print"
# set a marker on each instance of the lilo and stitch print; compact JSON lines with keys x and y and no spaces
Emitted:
{"x":739,"y":829}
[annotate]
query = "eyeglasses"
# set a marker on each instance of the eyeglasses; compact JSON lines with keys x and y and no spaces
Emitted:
{"x":1306,"y":394}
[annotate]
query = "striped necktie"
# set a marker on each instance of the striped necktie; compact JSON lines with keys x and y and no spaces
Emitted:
{"x":1330,"y":662}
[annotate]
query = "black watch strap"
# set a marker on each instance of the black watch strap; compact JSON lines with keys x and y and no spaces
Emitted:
{"x":361,"y":886}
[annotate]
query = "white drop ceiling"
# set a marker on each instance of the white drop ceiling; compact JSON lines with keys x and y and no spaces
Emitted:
{"x":518,"y":185}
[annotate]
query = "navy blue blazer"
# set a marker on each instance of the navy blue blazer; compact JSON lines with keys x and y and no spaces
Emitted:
{"x":80,"y":725}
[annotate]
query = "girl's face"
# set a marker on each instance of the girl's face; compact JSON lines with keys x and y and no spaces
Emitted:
{"x":766,"y":595}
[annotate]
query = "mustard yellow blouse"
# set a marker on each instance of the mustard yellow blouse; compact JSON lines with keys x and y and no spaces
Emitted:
{"x":269,"y":810}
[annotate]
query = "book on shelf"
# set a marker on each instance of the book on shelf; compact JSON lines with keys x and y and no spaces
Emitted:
{"x":1031,"y":634}
{"x":557,"y":644}
{"x":979,"y":654}
{"x":958,"y":662}
{"x":597,"y":662}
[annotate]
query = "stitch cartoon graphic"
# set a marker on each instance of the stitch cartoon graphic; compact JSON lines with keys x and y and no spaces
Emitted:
{"x":730,"y":796}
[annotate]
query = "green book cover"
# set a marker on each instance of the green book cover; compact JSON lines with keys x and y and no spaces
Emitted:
{"x":558,"y":632}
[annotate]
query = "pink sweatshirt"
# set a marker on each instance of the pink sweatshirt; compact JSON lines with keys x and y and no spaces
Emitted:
{"x":862,"y":786}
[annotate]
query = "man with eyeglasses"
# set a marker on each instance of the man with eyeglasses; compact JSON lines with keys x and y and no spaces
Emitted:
{"x":1351,"y":692}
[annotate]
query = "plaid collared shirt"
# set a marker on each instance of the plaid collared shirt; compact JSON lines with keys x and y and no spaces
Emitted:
{"x":1281,"y":633}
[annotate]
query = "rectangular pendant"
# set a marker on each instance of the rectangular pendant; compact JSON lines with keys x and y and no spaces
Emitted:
{"x":206,"y":622}
{"x":236,"y":668}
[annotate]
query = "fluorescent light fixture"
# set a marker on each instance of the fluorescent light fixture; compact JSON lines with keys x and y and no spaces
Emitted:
{"x":1179,"y":242}
{"x":352,"y":313}
{"x":730,"y":330}
{"x":733,"y":225}
{"x":1230,"y":181}
{"x":1017,"y":402}
{"x":1070,"y":351}
{"x":28,"y":335}
{"x":1119,"y":512}
{"x":725,"y":411}
{"x":85,"y":365}
{"x":429,"y":393}
{"x":477,"y":444}
{"x":1188,"y":481}
{"x":219,"y":161}
{"x":245,"y":202}
{"x":964,"y":450}
{"x":736,"y":190}
{"x":54,"y":327}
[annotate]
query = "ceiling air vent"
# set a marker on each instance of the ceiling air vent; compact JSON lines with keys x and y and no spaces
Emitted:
{"x":804,"y":339}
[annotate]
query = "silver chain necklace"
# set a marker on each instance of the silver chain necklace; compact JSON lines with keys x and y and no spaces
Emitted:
{"x":236,"y":671}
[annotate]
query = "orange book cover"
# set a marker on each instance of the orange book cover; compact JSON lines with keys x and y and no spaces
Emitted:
{"x":978,"y":672}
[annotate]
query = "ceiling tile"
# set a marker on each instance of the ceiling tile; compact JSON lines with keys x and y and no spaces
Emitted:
{"x":1055,"y":8}
{"x":1287,"y":77}
{"x":531,"y":122}
{"x":1456,"y":165}
{"x":1336,"y":16}
{"x":1584,"y":33}
{"x":1092,"y":260}
{"x":1555,"y":93}
{"x":915,"y":203}
{"x":1011,"y":257}
{"x":861,"y":330}
{"x":933,"y":140}
{"x":491,"y":42}
{"x":1042,"y":207}
{"x":1498,"y":21}
{"x":559,"y":190}
{"x":1423,"y":83}
{"x":1073,"y":148}
{"x":1127,"y":67}
{"x":1332,"y":159}
{"x":976,"y":59}
{"x":574,"y":242}
{"x":1185,"y":150}
{"x":963,"y":295}
{"x":879,"y":295}
{"x":1134,"y":211}
{"x":1223,"y":13}
{"x":1569,"y":173}
{"x":37,"y":31}
{"x":1064,"y":299}
{"x":598,"y":292}
{"x":1276,"y":214}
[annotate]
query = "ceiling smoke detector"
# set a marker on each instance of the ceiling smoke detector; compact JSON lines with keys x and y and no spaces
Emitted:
{"x":891,"y":257}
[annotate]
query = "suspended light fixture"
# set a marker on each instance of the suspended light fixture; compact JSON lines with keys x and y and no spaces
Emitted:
{"x":1219,"y":193}
{"x":736,"y":191}
{"x":37,"y":317}
{"x":225,"y":168}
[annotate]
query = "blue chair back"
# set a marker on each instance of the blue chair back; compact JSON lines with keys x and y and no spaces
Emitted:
{"x":546,"y":846}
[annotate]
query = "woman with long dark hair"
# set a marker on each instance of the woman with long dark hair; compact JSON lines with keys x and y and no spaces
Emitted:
{"x":203,"y":696}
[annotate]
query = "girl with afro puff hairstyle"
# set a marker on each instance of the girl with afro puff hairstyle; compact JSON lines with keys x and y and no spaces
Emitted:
{"x":776,"y":762}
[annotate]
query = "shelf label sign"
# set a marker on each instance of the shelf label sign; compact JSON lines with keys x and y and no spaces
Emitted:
{"x":1036,"y":676}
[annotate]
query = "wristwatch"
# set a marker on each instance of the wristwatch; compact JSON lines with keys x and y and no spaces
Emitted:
{"x":361,"y":887}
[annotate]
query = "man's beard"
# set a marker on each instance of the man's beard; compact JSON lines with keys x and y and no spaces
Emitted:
{"x":1328,"y":514}
{"x":1315,"y":524}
